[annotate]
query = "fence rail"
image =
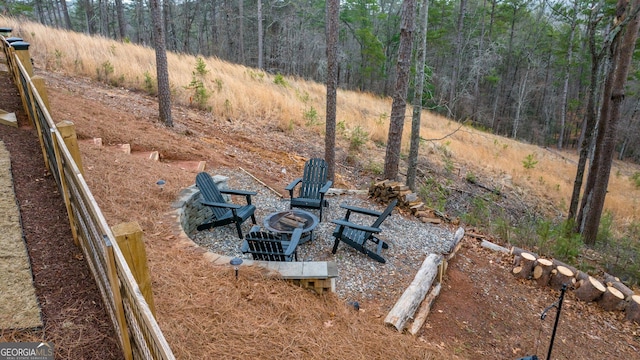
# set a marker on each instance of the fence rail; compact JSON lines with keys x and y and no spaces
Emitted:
{"x":139,"y":334}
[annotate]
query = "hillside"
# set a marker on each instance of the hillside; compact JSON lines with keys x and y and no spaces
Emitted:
{"x":473,"y":317}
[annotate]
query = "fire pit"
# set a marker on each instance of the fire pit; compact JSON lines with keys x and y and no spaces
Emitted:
{"x":284,"y":222}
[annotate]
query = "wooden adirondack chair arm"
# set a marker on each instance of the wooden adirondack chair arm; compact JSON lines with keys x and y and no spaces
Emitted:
{"x":238,"y":192}
{"x":360,"y":210}
{"x":349,"y":224}
{"x":293,"y":244}
{"x":221,"y":205}
{"x":326,"y":187}
{"x":293,"y":184}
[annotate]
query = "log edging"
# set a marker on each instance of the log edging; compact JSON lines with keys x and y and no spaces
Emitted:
{"x":607,"y":291}
{"x":415,"y":303}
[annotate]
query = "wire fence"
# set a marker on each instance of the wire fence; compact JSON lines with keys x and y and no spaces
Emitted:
{"x":139,"y":334}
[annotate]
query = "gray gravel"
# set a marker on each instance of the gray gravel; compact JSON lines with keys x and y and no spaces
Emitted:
{"x":359,"y":277}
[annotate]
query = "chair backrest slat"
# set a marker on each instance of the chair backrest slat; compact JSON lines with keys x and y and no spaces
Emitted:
{"x":313,"y":178}
{"x":385,"y":214}
{"x":265,"y":246}
{"x":210,"y":192}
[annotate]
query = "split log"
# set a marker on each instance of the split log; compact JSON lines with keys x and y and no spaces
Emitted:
{"x":561,"y":275}
{"x":542,"y":271}
{"x":415,"y":293}
{"x":632,"y":311}
{"x":456,"y":244}
{"x":525,"y":268}
{"x":491,"y":246}
{"x":612,"y":300}
{"x":590,"y":289}
{"x":290,"y":222}
{"x":425,"y":309}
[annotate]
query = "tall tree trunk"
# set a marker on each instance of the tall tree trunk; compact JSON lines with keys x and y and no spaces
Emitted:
{"x":457,"y":58}
{"x":332,"y":14}
{"x":610,"y":115}
{"x":522,"y":96}
{"x":421,"y":55}
{"x":399,"y":104}
{"x":476,"y":81}
{"x":241,"y":31}
{"x":104,"y":18}
{"x":567,"y":72}
{"x":65,"y":14}
{"x":590,"y":119}
{"x":170,"y":33}
{"x":261,"y":36}
{"x":214,"y":28}
{"x":189,"y":17}
{"x":231,"y":48}
{"x":162,"y":67}
{"x":122,"y":25}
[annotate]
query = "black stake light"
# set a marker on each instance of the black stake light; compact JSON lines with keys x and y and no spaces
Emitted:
{"x":236,"y":263}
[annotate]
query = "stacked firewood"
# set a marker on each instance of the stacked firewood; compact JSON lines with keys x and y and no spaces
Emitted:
{"x":608,"y":291}
{"x":290,"y":219}
{"x":387,"y":190}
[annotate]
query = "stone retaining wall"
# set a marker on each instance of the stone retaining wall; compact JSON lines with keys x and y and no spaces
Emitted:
{"x":190,"y":209}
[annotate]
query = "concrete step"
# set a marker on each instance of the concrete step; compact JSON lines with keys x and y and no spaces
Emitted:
{"x":9,"y":119}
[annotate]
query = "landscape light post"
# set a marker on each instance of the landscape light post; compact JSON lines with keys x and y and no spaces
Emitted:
{"x":558,"y":305}
{"x":236,"y":263}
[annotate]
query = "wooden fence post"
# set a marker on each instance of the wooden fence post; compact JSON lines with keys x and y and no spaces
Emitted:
{"x":22,"y":51}
{"x":68,"y":131}
{"x":38,"y":83}
{"x":129,"y":238}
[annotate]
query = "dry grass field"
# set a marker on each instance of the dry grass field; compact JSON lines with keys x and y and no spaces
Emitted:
{"x":265,"y":123}
{"x":238,"y":93}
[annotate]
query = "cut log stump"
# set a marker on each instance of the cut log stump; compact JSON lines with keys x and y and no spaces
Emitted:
{"x":620,"y":287}
{"x":632,"y":311}
{"x":525,"y":267}
{"x":612,"y":300}
{"x":561,"y":275}
{"x":590,"y":289}
{"x":542,"y":272}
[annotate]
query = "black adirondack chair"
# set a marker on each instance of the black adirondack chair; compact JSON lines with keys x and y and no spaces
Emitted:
{"x":313,"y":186}
{"x":266,"y":246}
{"x":224,"y":212}
{"x":357,"y":236}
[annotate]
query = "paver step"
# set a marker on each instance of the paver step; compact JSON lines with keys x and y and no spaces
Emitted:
{"x":7,"y":118}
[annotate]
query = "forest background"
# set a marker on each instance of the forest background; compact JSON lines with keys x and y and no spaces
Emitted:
{"x":518,"y":68}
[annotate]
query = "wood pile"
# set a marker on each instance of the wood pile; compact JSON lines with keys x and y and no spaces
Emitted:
{"x":290,"y":219}
{"x":608,"y":292}
{"x":387,"y":190}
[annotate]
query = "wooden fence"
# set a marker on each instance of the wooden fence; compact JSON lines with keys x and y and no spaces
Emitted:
{"x":139,"y":334}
